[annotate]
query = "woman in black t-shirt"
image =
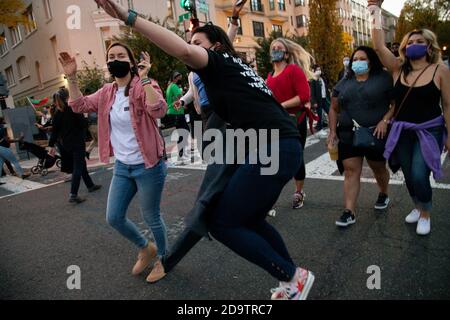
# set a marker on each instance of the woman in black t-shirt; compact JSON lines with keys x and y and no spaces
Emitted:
{"x":363,"y":96}
{"x":241,"y":98}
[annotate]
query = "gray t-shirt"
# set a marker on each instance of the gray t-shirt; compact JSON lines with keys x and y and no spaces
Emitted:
{"x":366,"y":102}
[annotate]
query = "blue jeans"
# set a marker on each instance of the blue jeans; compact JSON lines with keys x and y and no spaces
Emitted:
{"x":148,"y":183}
{"x":239,"y":220}
{"x":7,"y":154}
{"x":415,"y":170}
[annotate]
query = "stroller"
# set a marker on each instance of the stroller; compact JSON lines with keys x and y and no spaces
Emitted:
{"x":45,"y":161}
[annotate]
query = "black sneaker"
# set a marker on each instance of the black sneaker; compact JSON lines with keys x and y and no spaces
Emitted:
{"x":346,"y":219}
{"x":382,"y":202}
{"x":76,"y":200}
{"x":95,"y":187}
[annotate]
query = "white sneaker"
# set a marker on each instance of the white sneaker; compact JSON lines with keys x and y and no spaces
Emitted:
{"x":297,"y":289}
{"x":423,"y":226}
{"x":413,"y":216}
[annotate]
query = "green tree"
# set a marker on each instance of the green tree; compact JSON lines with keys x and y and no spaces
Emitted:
{"x":163,"y":65}
{"x":90,"y":79}
{"x":263,"y":51}
{"x":326,"y":37}
{"x":12,"y":13}
{"x":433,"y":15}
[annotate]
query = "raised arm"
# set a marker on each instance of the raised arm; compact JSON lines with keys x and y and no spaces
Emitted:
{"x":77,"y":101}
{"x":194,"y":56}
{"x":388,"y":59}
{"x":154,"y":102}
{"x":234,"y":25}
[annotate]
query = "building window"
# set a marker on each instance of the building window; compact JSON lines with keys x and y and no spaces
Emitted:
{"x":37,"y":66}
{"x":256,"y":5}
{"x":258,"y":29}
{"x":272,"y":5}
{"x":282,"y":5}
{"x":16,"y":36}
{"x":239,"y":30}
{"x":31,"y":25}
{"x":4,"y":44}
{"x":47,"y":9}
{"x":277,"y":29}
{"x":22,"y":67}
{"x":301,"y":21}
{"x":10,"y":76}
{"x":300,"y":3}
{"x":55,"y":51}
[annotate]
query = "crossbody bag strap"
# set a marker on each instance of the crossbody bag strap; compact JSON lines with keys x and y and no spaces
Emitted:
{"x":409,"y":90}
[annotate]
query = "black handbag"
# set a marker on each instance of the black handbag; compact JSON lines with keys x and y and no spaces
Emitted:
{"x":363,"y":138}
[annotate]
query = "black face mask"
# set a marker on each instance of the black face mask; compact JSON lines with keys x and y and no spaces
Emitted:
{"x":119,"y":69}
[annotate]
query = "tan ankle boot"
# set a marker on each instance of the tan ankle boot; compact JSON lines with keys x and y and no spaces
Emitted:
{"x":157,"y":273}
{"x":144,"y":258}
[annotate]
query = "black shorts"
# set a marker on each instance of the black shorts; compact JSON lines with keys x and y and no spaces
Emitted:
{"x":347,"y":151}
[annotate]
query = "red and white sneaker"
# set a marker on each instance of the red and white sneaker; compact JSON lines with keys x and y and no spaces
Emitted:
{"x":297,"y":289}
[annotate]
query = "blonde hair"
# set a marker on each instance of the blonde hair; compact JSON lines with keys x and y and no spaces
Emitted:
{"x":430,"y":37}
{"x":297,"y":55}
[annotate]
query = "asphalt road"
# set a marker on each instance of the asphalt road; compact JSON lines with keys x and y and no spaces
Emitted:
{"x":41,"y":235}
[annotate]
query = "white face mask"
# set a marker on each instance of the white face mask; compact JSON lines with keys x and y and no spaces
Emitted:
{"x":346,"y":63}
{"x":318,"y":73}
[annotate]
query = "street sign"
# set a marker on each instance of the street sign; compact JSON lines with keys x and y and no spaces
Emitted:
{"x":184,"y":17}
{"x":202,"y":6}
{"x":187,"y":5}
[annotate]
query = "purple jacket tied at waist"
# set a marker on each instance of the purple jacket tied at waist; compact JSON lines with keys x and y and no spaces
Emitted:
{"x":431,"y":149}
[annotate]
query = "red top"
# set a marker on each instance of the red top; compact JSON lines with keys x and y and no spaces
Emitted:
{"x":292,"y":82}
{"x":289,"y":83}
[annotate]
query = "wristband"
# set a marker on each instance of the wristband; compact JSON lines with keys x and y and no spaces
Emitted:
{"x":375,"y":17}
{"x":132,"y":17}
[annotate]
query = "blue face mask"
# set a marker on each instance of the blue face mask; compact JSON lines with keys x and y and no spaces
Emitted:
{"x":416,"y":51}
{"x":277,"y":55}
{"x":360,"y":67}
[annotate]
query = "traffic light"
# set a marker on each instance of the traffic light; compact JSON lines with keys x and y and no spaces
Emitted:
{"x":188,"y":5}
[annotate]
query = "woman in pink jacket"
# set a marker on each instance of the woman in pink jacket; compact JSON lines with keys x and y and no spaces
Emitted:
{"x":127,"y":111}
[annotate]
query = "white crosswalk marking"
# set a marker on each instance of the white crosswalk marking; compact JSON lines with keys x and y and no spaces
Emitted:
{"x":17,"y":185}
{"x":322,"y":167}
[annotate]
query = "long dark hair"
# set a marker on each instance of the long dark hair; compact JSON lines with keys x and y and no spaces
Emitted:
{"x":134,"y":66}
{"x":61,"y":98}
{"x":375,"y":64}
{"x":217,"y":34}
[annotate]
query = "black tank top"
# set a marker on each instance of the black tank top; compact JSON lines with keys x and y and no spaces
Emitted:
{"x":422,"y":104}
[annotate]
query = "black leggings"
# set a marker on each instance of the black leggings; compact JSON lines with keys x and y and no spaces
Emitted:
{"x":303,"y":129}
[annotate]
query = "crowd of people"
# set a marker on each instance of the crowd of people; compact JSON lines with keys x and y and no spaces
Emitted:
{"x":390,"y":107}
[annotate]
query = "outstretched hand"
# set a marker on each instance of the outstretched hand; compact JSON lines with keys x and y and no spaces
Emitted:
{"x":238,"y":6}
{"x":144,"y":65}
{"x":68,"y":63}
{"x":113,"y":9}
